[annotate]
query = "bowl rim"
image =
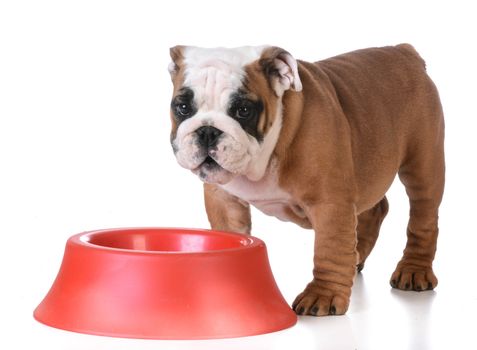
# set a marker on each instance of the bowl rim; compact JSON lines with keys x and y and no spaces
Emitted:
{"x":81,"y":240}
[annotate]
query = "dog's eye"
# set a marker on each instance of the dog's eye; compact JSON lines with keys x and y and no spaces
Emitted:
{"x":244,"y":112}
{"x":184,"y":109}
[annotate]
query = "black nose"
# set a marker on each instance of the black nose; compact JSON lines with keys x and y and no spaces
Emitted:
{"x":208,"y":136}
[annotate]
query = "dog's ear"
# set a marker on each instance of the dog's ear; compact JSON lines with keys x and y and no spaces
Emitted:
{"x":177,"y":56}
{"x":281,"y":68}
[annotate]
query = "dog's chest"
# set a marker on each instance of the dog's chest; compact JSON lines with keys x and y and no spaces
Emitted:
{"x":266,"y":196}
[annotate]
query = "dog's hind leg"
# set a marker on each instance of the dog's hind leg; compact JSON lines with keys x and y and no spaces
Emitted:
{"x":423,"y":175}
{"x":369,"y":223}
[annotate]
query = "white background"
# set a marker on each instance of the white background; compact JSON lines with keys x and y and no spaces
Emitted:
{"x":84,"y":144}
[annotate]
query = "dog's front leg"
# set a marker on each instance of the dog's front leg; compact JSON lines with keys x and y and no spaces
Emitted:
{"x":225,"y":211}
{"x":335,"y":261}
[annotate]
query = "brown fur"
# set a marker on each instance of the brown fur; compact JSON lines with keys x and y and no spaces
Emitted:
{"x":362,"y":118}
{"x":226,"y":212}
{"x":257,"y":84}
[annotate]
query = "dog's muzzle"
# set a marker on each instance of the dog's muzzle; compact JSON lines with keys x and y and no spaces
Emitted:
{"x":213,"y":154}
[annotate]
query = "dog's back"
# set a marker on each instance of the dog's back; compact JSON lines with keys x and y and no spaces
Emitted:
{"x":392,"y":107}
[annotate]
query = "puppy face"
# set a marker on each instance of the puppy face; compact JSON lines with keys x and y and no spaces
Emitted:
{"x":226,"y":108}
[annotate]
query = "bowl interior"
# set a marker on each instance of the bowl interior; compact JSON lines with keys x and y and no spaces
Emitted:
{"x":167,"y":240}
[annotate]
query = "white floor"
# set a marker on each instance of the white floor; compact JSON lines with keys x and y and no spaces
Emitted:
{"x":392,"y":320}
{"x":379,"y":317}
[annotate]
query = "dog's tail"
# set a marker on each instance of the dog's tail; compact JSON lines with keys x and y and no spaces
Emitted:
{"x":410,"y":51}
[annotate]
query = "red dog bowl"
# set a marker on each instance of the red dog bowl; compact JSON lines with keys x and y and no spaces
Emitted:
{"x":164,"y":283}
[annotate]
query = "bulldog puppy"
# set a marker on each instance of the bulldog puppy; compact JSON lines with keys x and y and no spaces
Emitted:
{"x":318,"y":144}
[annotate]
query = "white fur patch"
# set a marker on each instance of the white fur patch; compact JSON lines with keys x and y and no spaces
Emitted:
{"x":265,"y":194}
{"x":213,"y":74}
{"x":265,"y":189}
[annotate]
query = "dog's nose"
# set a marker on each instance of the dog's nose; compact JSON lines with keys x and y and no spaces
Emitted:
{"x":208,"y":136}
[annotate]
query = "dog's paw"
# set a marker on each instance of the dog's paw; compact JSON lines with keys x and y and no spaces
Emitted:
{"x":409,"y":276}
{"x":316,"y":301}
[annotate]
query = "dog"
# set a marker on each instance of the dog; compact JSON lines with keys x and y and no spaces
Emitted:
{"x":318,"y":144}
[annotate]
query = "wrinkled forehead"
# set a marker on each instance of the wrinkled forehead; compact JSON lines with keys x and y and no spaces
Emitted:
{"x":215,"y":74}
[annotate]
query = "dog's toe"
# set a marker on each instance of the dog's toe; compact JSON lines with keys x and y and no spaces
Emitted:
{"x":412,"y":277}
{"x":313,"y":302}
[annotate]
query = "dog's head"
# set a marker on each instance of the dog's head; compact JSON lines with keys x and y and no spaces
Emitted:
{"x":226,"y":108}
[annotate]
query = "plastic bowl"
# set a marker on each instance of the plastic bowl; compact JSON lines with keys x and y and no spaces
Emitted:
{"x":165,"y":283}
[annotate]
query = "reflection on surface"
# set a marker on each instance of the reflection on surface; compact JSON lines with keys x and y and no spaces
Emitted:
{"x":359,"y":297}
{"x":418,"y":308}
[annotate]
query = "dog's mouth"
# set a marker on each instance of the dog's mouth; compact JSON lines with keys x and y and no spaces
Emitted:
{"x":210,"y":163}
{"x":211,"y":171}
